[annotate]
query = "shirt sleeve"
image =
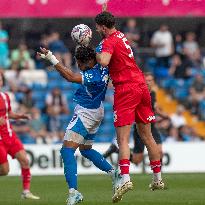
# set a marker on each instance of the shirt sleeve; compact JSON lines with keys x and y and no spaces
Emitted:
{"x":91,"y":76}
{"x":9,"y":102}
{"x":106,"y":46}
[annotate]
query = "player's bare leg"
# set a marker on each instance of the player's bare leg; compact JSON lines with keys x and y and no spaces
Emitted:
{"x":4,"y":169}
{"x":154,"y":155}
{"x":137,"y":158}
{"x":26,"y":175}
{"x":123,"y":135}
{"x":160,"y":151}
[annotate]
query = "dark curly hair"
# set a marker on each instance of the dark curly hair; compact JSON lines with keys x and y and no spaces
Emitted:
{"x":105,"y":18}
{"x":85,"y":54}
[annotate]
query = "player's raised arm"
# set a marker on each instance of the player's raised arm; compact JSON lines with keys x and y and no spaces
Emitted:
{"x":67,"y":73}
{"x":104,"y":5}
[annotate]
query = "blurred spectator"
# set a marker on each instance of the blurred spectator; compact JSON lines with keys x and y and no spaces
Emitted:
{"x":164,"y":125}
{"x":178,"y":44}
{"x":132,"y":32}
{"x":193,"y":102}
{"x":177,"y":118}
{"x":162,"y":40}
{"x":41,"y":64}
{"x":196,"y":61}
{"x":37,"y":127}
{"x":27,"y":101}
{"x":187,"y":134}
{"x":198,"y":84}
{"x":56,"y":102}
{"x":4,"y":50}
{"x":44,"y":41}
{"x":173,"y":135}
{"x":22,"y":58}
{"x":22,"y":129}
{"x":190,"y":44}
{"x":56,"y":105}
{"x":179,"y":69}
{"x":59,"y":49}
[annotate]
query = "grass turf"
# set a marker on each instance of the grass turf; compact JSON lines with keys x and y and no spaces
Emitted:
{"x":183,"y":189}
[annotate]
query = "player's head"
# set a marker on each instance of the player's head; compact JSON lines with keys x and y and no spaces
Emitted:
{"x":149,"y":78}
{"x":86,"y":57}
{"x":104,"y":22}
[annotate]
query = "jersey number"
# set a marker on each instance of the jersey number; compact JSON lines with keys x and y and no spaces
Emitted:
{"x":128,"y":47}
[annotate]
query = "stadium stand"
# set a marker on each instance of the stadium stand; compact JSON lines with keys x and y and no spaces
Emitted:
{"x":180,"y":76}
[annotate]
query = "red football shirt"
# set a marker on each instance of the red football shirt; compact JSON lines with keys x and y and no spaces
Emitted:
{"x":122,"y":66}
{"x":5,"y":107}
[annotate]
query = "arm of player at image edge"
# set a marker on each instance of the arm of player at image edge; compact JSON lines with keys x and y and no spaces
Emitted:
{"x":67,"y":73}
{"x":18,"y":116}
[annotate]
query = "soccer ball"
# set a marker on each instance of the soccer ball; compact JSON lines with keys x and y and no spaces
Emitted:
{"x":81,"y":34}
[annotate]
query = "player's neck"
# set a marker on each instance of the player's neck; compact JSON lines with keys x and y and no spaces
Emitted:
{"x":110,"y":31}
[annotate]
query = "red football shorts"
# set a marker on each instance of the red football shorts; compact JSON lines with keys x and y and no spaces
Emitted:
{"x":9,"y":146}
{"x":132,"y":103}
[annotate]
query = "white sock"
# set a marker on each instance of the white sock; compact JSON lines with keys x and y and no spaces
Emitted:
{"x":111,"y":172}
{"x":157,"y":176}
{"x":125,"y":178}
{"x":71,"y":190}
{"x":25,"y":191}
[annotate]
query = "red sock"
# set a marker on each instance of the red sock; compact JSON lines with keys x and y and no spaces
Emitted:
{"x":155,"y":166}
{"x":26,"y":178}
{"x":124,"y":166}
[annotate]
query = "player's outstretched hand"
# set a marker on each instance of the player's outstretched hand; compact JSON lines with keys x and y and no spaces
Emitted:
{"x":26,"y":116}
{"x":43,"y":53}
{"x":47,"y":55}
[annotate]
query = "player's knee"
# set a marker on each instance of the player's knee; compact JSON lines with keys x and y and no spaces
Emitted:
{"x":4,"y":171}
{"x":24,"y":162}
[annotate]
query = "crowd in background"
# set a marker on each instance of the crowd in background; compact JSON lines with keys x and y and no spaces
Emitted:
{"x":177,"y":64}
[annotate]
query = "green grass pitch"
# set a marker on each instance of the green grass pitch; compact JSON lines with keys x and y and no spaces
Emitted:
{"x":186,"y":189}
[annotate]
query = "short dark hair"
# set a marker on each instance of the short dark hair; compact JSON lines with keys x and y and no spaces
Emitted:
{"x":149,"y":74}
{"x":85,"y":54}
{"x":105,"y":19}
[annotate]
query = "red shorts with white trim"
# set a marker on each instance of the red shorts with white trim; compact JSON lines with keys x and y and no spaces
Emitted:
{"x":132,"y":103}
{"x":11,"y":146}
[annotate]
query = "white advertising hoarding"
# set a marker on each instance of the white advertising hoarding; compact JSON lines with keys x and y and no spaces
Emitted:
{"x":178,"y":157}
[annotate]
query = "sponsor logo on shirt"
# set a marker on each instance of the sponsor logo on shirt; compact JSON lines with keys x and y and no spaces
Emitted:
{"x":115,"y":116}
{"x":151,"y":118}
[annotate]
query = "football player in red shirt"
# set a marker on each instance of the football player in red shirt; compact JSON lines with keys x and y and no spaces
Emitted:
{"x":10,"y":144}
{"x":132,"y":101}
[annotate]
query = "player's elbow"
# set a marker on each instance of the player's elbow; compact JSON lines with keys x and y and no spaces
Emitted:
{"x":4,"y":171}
{"x":103,"y":62}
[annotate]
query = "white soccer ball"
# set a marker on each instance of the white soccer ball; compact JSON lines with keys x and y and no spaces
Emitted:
{"x":81,"y":34}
